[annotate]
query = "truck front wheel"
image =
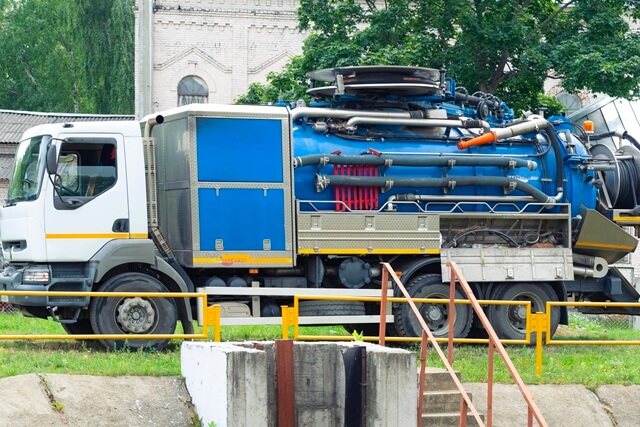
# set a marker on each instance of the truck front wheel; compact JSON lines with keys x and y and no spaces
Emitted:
{"x":80,"y":327}
{"x":133,"y":315}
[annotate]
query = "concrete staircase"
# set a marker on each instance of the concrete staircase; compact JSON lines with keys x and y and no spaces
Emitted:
{"x":441,"y":400}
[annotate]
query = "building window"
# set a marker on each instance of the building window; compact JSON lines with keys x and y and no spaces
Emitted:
{"x":571,"y":102}
{"x":192,"y":90}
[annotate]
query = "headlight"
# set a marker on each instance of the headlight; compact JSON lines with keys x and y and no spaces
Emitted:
{"x":35,"y":275}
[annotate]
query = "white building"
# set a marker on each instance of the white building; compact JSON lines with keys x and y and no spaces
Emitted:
{"x":209,"y":50}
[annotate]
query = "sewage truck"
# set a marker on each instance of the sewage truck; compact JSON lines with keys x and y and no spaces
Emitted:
{"x":255,"y":204}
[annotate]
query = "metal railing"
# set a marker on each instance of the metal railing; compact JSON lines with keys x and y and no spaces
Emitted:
{"x":211,"y":316}
{"x":533,"y":323}
{"x":541,"y":324}
{"x":427,"y":336}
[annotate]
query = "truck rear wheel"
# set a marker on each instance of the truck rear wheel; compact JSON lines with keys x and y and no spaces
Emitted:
{"x":80,"y":327}
{"x":331,"y":308}
{"x":509,"y":321}
{"x":436,"y":316}
{"x":133,"y":315}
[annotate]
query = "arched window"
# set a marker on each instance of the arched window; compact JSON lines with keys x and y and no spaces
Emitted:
{"x":192,"y":90}
{"x":570,"y":101}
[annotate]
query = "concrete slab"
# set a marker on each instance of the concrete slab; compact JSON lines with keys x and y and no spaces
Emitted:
{"x":83,"y":400}
{"x":104,"y":401}
{"x":24,"y":402}
{"x":561,"y":405}
{"x":622,"y":403}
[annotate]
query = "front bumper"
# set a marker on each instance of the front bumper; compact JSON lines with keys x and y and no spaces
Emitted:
{"x":11,"y":279}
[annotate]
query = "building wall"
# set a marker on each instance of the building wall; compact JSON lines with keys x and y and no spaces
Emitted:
{"x":227,"y":43}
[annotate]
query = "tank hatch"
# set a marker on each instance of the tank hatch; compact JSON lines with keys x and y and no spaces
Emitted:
{"x":376,"y":80}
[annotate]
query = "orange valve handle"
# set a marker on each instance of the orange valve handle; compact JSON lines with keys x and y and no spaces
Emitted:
{"x":487,"y":138}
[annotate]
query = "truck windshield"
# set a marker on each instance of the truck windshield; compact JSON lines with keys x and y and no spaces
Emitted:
{"x":28,"y":170}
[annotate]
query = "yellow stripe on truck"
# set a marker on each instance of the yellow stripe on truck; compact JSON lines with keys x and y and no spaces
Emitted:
{"x":242,"y":260}
{"x":96,"y":236}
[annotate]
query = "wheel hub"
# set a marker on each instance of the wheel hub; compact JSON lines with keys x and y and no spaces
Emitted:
{"x":136,"y":315}
{"x":434,"y":313}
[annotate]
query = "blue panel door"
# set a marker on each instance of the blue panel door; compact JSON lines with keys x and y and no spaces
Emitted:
{"x":241,"y":218}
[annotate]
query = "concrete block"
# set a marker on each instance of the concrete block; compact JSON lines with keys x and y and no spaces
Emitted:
{"x":392,"y":387}
{"x":319,"y":384}
{"x":269,"y":349}
{"x":227,"y":383}
{"x":236,"y":384}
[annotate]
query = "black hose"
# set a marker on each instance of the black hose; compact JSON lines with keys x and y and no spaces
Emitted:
{"x":550,"y":131}
{"x":629,"y":176}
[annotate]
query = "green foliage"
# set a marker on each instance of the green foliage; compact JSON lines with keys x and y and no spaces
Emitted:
{"x":505,"y":47}
{"x":287,"y":85}
{"x":67,"y":56}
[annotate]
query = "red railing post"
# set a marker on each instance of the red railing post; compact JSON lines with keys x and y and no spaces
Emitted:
{"x":423,"y":366}
{"x":490,"y":384}
{"x":383,"y":307}
{"x":452,"y":315}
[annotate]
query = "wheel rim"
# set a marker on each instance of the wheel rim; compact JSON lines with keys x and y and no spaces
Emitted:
{"x":136,"y":315}
{"x":436,"y":316}
{"x":517,"y":314}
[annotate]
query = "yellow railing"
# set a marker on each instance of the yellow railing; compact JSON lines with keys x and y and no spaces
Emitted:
{"x":545,"y":326}
{"x":291,"y":315}
{"x":211,"y":316}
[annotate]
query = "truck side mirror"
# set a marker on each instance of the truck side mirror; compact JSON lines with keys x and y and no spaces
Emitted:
{"x":52,"y":160}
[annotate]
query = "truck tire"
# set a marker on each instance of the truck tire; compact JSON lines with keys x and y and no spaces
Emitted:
{"x":435,"y":315}
{"x":133,"y":315}
{"x":331,"y":308}
{"x":509,"y":321}
{"x":80,"y":327}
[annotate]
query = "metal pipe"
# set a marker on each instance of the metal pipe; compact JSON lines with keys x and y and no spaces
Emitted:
{"x":438,"y":198}
{"x":323,"y":181}
{"x":496,"y":134}
{"x":151,"y":122}
{"x":589,"y":266}
{"x":347,"y":114}
{"x":432,"y":123}
{"x":418,"y":160}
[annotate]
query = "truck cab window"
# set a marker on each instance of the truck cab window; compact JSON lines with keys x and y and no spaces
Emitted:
{"x":28,"y":170}
{"x":86,"y":169}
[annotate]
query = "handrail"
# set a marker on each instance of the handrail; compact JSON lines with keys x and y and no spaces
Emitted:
{"x":494,"y":344}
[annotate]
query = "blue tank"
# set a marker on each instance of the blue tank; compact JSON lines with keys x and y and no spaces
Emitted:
{"x":409,"y":143}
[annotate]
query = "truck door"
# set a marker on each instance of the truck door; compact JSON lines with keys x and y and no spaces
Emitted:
{"x":91,"y":205}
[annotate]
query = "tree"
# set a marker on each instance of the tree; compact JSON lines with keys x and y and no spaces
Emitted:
{"x":67,"y":55}
{"x":505,"y":47}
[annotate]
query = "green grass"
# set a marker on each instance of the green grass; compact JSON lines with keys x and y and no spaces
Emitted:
{"x":567,"y":364}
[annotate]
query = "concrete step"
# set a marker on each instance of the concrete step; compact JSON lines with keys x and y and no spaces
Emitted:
{"x":441,"y":404}
{"x":437,"y":379}
{"x":442,"y":401}
{"x":451,"y":419}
